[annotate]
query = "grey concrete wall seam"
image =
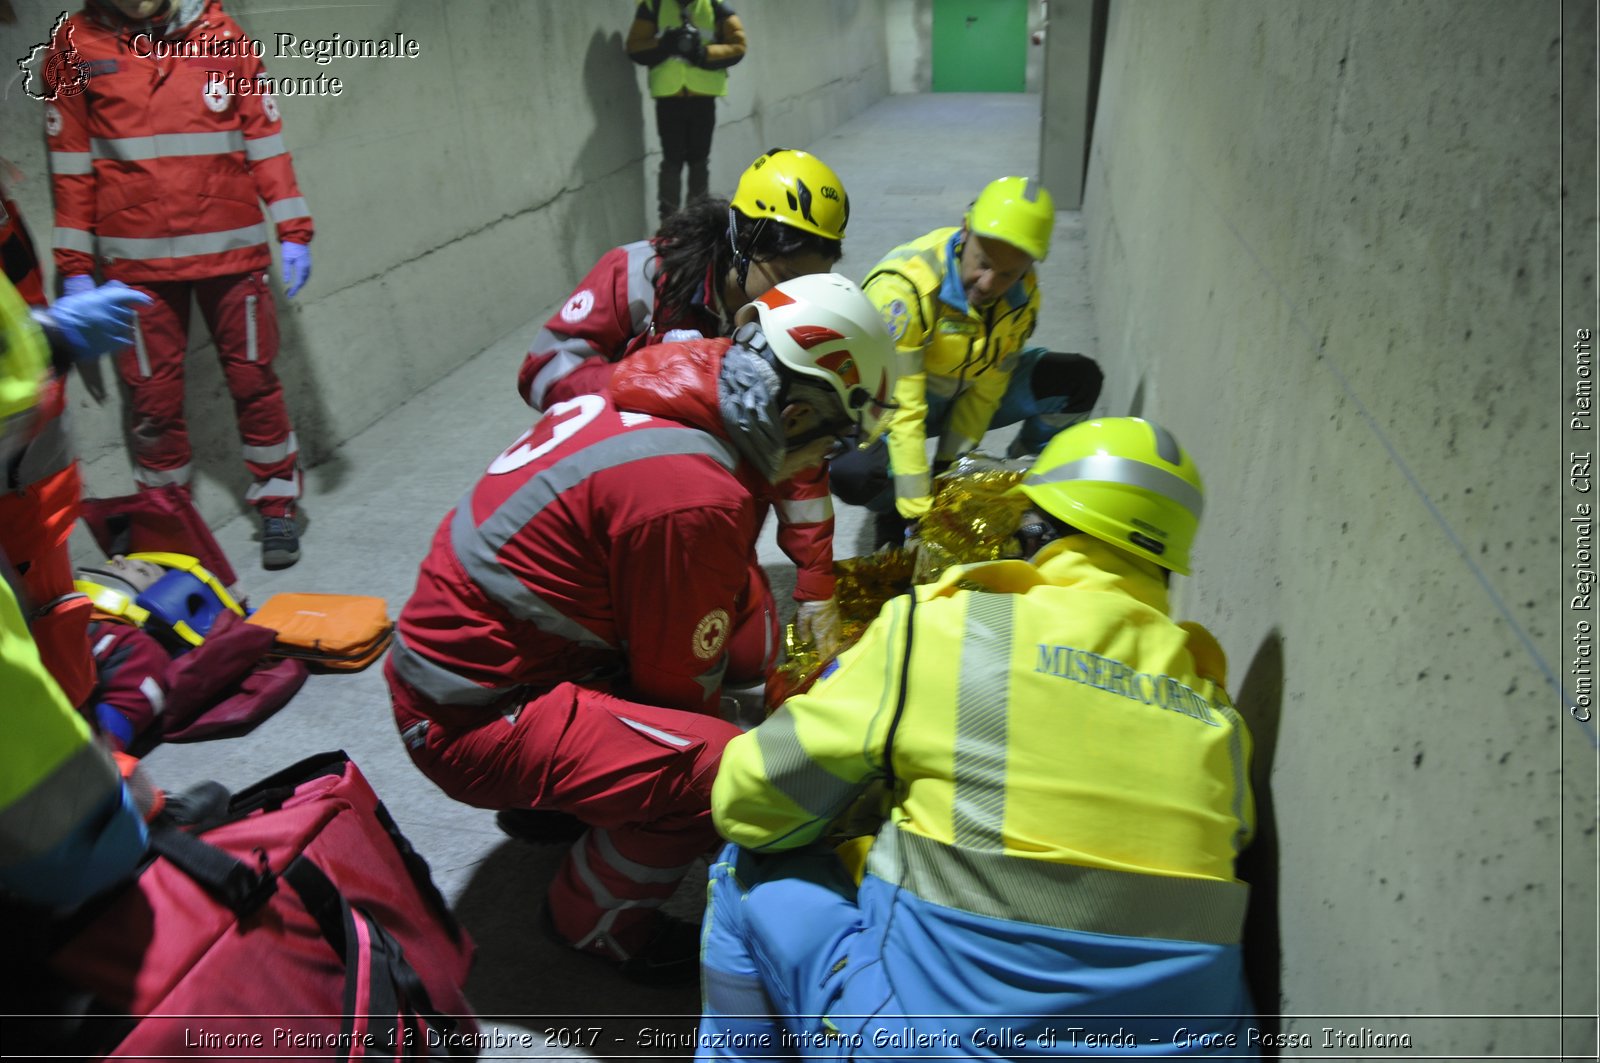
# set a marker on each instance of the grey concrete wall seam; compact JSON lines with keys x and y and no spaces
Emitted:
{"x":1324,"y":250}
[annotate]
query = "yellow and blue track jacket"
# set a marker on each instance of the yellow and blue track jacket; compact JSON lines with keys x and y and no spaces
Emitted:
{"x":67,"y":826}
{"x":24,"y":364}
{"x":1070,"y":790}
{"x":948,"y":349}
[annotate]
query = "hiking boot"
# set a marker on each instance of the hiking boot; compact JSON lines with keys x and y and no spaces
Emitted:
{"x":670,"y":956}
{"x":280,"y":542}
{"x":539,"y":826}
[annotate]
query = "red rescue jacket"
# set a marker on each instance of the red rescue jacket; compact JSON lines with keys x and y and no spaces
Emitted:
{"x":608,"y":545}
{"x":159,"y":162}
{"x":612,"y":315}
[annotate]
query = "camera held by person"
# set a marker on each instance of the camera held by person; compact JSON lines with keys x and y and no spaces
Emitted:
{"x":684,"y":42}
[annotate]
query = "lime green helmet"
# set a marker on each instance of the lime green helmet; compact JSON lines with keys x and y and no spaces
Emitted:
{"x":1124,"y":480}
{"x":1017,"y":211}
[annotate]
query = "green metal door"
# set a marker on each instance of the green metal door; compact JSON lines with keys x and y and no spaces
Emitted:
{"x":980,"y":45}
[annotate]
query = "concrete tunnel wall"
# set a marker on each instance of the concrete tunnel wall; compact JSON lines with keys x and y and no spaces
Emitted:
{"x":1325,"y":251}
{"x":457,"y":195}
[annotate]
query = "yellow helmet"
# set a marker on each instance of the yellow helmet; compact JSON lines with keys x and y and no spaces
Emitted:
{"x":797,"y":189}
{"x":1124,"y":480}
{"x":1017,"y":211}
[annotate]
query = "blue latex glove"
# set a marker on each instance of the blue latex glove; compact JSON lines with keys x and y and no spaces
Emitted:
{"x":77,"y":284}
{"x":296,"y":267}
{"x":98,"y":321}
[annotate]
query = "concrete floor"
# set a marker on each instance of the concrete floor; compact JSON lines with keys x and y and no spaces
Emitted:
{"x":911,"y":164}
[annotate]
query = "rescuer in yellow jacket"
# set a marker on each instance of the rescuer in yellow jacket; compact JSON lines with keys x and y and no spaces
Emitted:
{"x":962,"y":304}
{"x":68,"y":827}
{"x":1066,"y":791}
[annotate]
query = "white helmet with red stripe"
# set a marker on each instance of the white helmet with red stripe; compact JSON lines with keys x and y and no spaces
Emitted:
{"x":822,"y":326}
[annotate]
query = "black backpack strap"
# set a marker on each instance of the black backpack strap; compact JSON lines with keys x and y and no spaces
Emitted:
{"x":233,"y":882}
{"x":900,"y":701}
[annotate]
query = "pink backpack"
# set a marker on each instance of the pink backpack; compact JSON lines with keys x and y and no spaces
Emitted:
{"x":303,"y":908}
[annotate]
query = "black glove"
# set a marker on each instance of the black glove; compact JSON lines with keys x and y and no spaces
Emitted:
{"x":1074,"y":375}
{"x":889,"y":529}
{"x":684,"y":42}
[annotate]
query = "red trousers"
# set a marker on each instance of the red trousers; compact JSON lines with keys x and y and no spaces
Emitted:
{"x":240,"y":313}
{"x":638,"y":775}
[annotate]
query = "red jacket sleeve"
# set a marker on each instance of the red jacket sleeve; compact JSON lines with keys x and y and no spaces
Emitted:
{"x":592,"y":329}
{"x":677,"y":580}
{"x":72,"y":180}
{"x":805,"y":532}
{"x":268,"y":157}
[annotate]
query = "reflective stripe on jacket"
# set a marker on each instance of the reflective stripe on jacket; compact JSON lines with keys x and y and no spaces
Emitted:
{"x":1066,"y":754}
{"x":949,"y":350}
{"x":157,"y":166}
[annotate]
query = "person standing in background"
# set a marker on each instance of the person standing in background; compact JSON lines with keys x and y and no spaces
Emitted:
{"x":688,"y":46}
{"x":158,"y":174}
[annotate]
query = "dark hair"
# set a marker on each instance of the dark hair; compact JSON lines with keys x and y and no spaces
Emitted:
{"x":696,"y":238}
{"x":688,"y":242}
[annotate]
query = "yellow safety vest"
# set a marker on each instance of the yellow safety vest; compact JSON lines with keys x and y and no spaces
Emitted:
{"x":671,"y":76}
{"x":24,"y":354}
{"x":52,"y":771}
{"x":1057,"y":727}
{"x":948,"y":350}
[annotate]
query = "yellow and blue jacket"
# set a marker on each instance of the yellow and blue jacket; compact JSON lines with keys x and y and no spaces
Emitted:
{"x":67,"y":825}
{"x":1062,"y":753}
{"x":948,"y":350}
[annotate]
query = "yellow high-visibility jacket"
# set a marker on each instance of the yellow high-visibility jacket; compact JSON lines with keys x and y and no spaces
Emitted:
{"x":65,"y":829}
{"x":948,"y":350}
{"x":24,"y":361}
{"x":719,"y":27}
{"x":1060,"y":743}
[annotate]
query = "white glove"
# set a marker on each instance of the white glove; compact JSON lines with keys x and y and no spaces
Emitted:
{"x":681,"y":335}
{"x":818,"y":622}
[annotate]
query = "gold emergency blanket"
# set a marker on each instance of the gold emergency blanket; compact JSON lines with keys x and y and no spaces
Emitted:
{"x":972,"y":519}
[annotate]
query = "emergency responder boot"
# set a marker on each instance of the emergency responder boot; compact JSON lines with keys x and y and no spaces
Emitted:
{"x":280,"y":542}
{"x":539,"y":826}
{"x":670,"y":956}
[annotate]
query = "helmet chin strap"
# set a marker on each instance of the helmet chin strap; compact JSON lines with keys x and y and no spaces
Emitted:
{"x":741,"y":255}
{"x":1037,"y":530}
